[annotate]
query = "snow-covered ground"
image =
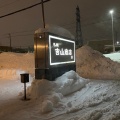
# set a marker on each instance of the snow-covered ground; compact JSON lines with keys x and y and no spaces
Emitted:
{"x":90,"y":93}
{"x":114,"y":56}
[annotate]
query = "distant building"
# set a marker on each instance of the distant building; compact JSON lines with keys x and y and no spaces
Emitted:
{"x":103,"y":46}
{"x":5,"y":48}
{"x":16,"y":49}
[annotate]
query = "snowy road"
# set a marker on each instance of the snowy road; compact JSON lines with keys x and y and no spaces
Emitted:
{"x":98,"y":100}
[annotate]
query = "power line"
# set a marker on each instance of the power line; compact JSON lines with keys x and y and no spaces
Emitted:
{"x":92,"y":23}
{"x":23,"y":9}
{"x":68,"y":26}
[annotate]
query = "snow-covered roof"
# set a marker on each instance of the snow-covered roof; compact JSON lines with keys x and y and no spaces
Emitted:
{"x":56,"y":30}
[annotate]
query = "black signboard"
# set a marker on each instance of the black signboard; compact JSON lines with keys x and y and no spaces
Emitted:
{"x":61,"y":50}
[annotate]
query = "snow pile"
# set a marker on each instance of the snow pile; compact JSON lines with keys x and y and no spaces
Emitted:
{"x":89,"y":63}
{"x":50,"y":93}
{"x":18,"y":61}
{"x":43,"y":90}
{"x":40,"y":88}
{"x":92,"y":64}
{"x":47,"y":106}
{"x":69,"y":83}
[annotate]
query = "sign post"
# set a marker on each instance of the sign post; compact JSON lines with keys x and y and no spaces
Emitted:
{"x":25,"y":79}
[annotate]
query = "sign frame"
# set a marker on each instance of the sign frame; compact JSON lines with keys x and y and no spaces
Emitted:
{"x":62,"y":39}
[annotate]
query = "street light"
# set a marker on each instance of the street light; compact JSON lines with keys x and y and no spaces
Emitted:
{"x":111,"y":12}
{"x":118,"y":42}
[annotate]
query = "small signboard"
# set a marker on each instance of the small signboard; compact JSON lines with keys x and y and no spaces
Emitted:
{"x":24,"y":78}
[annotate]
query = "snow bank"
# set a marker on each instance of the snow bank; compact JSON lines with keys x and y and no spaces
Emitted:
{"x":92,"y":64}
{"x":18,"y":61}
{"x":44,"y":91}
{"x":89,"y":63}
{"x":40,"y":88}
{"x":65,"y":84}
{"x":50,"y":93}
{"x":69,"y":83}
{"x":47,"y":106}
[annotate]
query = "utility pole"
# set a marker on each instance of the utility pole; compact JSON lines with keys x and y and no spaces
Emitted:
{"x":43,"y":16}
{"x":116,"y":36}
{"x":78,"y":38}
{"x":10,"y":40}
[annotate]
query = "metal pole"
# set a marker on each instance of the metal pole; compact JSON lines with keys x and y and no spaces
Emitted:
{"x":24,"y":91}
{"x":113,"y":33}
{"x":43,"y":16}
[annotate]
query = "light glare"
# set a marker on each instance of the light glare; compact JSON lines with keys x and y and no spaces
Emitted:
{"x":111,"y":11}
{"x":117,"y":42}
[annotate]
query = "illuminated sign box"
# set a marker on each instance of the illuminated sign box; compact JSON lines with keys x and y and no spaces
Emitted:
{"x":54,"y":55}
{"x":61,"y":50}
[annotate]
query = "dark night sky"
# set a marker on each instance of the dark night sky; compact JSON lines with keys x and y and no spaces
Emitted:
{"x":95,"y":19}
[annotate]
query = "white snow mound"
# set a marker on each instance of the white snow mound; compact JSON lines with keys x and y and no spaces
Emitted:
{"x":93,"y":65}
{"x":69,"y":83}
